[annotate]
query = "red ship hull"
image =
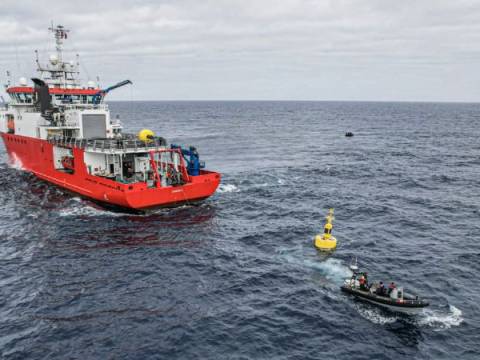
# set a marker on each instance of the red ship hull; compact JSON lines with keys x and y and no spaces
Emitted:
{"x":36,"y":156}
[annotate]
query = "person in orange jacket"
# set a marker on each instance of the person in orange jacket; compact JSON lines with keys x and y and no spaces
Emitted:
{"x":363,"y":282}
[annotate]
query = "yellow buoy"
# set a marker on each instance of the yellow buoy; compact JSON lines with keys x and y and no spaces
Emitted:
{"x":146,"y":135}
{"x":326,"y":241}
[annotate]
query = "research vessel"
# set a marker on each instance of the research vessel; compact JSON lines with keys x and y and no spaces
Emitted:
{"x":62,"y":132}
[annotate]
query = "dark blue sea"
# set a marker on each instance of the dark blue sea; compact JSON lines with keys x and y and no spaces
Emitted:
{"x":237,"y":277}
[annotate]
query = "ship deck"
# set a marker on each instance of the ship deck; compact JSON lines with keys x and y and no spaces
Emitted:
{"x":110,"y":146}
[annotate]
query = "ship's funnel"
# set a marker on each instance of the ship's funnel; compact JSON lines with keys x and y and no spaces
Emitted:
{"x":43,"y":96}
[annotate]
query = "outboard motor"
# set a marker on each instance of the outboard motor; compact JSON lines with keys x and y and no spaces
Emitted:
{"x":43,"y":99}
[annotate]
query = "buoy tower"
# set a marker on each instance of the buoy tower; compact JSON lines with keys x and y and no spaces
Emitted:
{"x":325,"y":241}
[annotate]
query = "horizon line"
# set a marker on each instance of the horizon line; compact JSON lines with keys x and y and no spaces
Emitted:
{"x":303,"y":100}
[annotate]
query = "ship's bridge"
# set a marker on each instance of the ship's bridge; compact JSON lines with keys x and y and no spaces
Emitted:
{"x":25,"y":95}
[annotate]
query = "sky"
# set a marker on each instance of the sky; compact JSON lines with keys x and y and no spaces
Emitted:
{"x":353,"y":50}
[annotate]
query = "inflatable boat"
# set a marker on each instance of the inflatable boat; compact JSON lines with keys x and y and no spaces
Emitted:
{"x":393,"y":298}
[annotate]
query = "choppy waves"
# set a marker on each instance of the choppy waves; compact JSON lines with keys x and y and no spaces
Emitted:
{"x":237,"y":276}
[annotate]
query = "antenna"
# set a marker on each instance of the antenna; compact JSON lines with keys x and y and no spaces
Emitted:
{"x":9,"y":80}
{"x":354,"y":266}
{"x":36,"y":58}
{"x":77,"y":58}
{"x":330,"y":216}
{"x":60,"y":34}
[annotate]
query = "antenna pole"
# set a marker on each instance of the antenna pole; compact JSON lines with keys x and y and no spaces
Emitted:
{"x":60,"y":33}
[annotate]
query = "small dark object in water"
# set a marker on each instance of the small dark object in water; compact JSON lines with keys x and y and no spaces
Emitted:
{"x":349,"y":134}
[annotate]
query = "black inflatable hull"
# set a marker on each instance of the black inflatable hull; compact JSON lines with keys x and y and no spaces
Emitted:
{"x":405,"y":306}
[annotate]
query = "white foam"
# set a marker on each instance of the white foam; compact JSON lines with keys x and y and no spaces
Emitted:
{"x":16,"y":162}
{"x":331,"y":268}
{"x":80,"y":208}
{"x":227,"y":188}
{"x":439,"y":320}
{"x":374,"y":315}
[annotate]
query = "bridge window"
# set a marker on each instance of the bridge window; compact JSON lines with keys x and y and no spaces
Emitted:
{"x":87,"y":99}
{"x":24,"y":98}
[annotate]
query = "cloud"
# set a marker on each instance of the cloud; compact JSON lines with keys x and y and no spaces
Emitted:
{"x":290,"y":49}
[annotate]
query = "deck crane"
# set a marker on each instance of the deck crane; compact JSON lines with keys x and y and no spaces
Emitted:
{"x":99,"y":95}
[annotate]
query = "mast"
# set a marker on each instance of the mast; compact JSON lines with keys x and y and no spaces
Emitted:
{"x":59,"y":73}
{"x":60,"y":33}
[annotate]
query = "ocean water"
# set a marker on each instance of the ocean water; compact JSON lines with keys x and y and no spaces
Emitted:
{"x":237,"y":277}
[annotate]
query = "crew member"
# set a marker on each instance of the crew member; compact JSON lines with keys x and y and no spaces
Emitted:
{"x":381,"y":289}
{"x":391,"y":287}
{"x":363,"y":282}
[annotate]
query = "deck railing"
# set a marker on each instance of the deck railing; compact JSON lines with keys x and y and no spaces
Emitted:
{"x":129,"y":144}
